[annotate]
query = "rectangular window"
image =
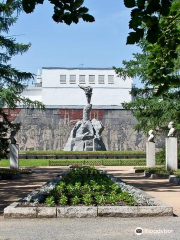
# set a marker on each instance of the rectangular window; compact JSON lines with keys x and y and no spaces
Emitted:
{"x":91,"y":79}
{"x":72,"y":79}
{"x":82,"y":79}
{"x":110,"y":79}
{"x":63,"y":79}
{"x":101,"y":79}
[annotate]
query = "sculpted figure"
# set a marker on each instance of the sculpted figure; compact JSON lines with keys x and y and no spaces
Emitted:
{"x":172,"y":131}
{"x":88,"y":92}
{"x":86,"y":112}
{"x":151,"y":136}
{"x":86,"y":134}
{"x":13,"y":140}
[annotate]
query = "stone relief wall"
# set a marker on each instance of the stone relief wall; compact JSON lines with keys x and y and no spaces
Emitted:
{"x":50,"y":129}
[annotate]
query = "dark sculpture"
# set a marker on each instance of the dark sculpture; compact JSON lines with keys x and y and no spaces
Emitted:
{"x":13,"y":140}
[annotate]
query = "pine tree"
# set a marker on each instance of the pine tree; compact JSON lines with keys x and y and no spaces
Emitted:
{"x":12,"y":81}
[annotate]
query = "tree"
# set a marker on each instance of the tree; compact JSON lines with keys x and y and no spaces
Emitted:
{"x":67,"y":11}
{"x":157,"y":67}
{"x":12,"y":81}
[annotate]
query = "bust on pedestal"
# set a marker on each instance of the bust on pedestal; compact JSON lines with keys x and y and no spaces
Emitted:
{"x":150,"y":150}
{"x":171,"y":149}
{"x":14,"y":152}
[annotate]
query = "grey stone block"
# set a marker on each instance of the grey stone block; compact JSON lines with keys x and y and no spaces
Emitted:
{"x":137,"y":170}
{"x":117,"y":211}
{"x":177,"y":181}
{"x":20,"y":212}
{"x":155,"y":211}
{"x":76,"y":212}
{"x":46,"y":212}
{"x":171,"y":178}
{"x":147,"y":174}
{"x":144,"y":211}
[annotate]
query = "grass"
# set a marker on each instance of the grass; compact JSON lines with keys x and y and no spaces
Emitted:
{"x":85,"y":152}
{"x":45,"y":162}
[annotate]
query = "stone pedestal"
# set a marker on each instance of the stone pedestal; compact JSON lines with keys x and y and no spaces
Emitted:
{"x":150,"y":154}
{"x":14,"y":156}
{"x":171,"y":154}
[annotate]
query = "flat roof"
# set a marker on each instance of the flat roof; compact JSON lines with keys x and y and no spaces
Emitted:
{"x":87,"y":68}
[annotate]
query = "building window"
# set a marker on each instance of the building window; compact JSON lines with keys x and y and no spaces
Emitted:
{"x":82,"y":79}
{"x":72,"y":79}
{"x":110,"y":79}
{"x":91,"y":78}
{"x":63,"y":79}
{"x":101,"y":79}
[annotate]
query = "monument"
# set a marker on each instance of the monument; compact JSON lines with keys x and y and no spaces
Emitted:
{"x":150,"y":150}
{"x":171,"y":149}
{"x":14,"y":152}
{"x":86,"y":134}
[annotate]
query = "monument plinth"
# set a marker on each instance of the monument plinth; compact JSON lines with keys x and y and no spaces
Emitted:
{"x":14,"y":156}
{"x":14,"y":152}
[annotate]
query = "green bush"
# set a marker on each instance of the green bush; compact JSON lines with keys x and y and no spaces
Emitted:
{"x":158,"y":170}
{"x":161,"y":157}
{"x":86,"y":186}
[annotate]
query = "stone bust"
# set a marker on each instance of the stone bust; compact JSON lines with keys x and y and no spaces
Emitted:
{"x":151,"y":136}
{"x":172,"y":131}
{"x":13,"y":140}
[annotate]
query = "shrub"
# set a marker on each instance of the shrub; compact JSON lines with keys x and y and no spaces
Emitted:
{"x":87,"y":186}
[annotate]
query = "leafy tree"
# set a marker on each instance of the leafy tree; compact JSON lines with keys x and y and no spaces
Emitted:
{"x":12,"y":81}
{"x":67,"y":11}
{"x":158,"y":68}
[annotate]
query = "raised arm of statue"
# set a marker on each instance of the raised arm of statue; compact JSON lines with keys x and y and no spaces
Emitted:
{"x":88,"y":92}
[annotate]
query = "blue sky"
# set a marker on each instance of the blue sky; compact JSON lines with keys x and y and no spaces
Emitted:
{"x":98,"y":44}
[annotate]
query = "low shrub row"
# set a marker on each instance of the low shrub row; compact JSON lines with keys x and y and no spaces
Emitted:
{"x":84,"y":152}
{"x":158,"y":170}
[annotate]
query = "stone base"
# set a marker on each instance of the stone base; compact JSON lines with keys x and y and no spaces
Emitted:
{"x":171,"y":154}
{"x":150,"y":154}
{"x":14,"y":156}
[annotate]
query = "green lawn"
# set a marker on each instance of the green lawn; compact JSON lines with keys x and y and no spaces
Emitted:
{"x":65,"y":162}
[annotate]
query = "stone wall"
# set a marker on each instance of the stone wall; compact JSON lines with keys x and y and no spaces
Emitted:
{"x":50,"y":129}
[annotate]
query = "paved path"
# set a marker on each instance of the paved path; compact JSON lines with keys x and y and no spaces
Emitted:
{"x":13,"y":190}
{"x":159,"y":188}
{"x":88,"y":229}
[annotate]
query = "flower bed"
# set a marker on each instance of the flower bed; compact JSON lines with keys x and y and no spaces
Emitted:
{"x":87,"y":192}
{"x":87,"y":186}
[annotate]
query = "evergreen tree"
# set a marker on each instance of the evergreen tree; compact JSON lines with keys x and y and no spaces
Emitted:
{"x":12,"y":81}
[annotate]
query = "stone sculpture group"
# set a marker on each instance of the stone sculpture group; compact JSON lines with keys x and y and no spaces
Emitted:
{"x":86,"y":134}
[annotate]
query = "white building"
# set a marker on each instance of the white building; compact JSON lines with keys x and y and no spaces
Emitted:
{"x":59,"y":87}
